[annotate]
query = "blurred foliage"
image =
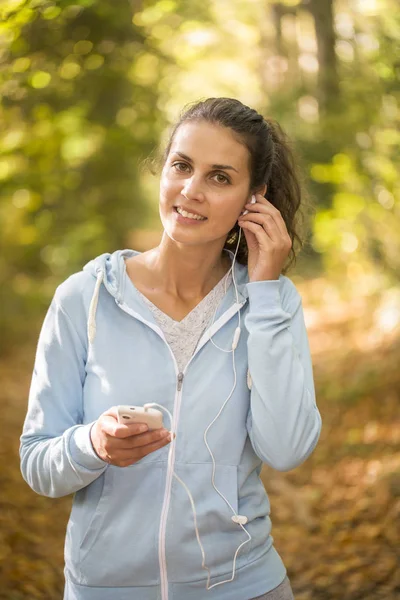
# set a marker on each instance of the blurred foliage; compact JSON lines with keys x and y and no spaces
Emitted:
{"x":88,"y":89}
{"x":73,"y":124}
{"x":79,"y":112}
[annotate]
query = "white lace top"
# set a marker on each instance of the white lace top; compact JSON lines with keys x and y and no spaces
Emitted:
{"x":183,"y":336}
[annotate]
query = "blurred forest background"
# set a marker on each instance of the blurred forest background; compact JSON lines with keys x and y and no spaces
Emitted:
{"x":88,"y":90}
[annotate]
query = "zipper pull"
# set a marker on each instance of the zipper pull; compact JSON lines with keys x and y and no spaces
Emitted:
{"x":180,"y":380}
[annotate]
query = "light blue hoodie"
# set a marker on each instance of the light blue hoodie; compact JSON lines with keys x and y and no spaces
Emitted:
{"x":131,"y":531}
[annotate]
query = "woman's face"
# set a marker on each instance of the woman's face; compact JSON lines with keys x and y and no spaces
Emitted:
{"x":206,"y":174}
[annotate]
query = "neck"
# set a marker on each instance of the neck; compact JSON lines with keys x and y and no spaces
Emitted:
{"x":188,"y":272}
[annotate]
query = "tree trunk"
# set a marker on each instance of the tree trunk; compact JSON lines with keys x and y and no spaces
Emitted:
{"x":328,"y":86}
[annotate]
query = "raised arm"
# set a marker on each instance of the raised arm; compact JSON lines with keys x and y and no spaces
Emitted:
{"x":284,"y":423}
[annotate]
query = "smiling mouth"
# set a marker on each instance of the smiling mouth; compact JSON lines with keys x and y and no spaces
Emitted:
{"x":189,"y":215}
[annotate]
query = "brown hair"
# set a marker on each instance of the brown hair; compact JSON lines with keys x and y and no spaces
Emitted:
{"x":272,"y":162}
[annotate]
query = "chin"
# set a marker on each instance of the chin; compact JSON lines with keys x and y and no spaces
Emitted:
{"x":187,"y":239}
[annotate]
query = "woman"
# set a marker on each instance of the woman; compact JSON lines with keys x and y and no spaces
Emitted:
{"x":181,"y":513}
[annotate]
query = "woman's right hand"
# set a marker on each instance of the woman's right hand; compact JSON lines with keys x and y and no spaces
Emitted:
{"x":122,"y":444}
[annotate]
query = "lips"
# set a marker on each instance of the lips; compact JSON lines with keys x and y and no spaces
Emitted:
{"x":189,"y":211}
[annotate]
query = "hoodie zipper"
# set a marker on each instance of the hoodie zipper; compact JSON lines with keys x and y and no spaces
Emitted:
{"x":180,"y":381}
{"x":167,"y":493}
{"x":224,"y":318}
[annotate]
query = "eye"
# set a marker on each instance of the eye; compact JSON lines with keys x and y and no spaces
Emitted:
{"x":181,"y":167}
{"x":221,"y":178}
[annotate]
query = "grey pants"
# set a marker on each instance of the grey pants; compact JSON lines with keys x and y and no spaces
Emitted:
{"x":282,"y":592}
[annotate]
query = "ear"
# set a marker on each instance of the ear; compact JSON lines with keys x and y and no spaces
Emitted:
{"x":262,"y":190}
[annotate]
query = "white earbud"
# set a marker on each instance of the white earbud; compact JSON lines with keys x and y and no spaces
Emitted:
{"x":240,"y":519}
{"x":253,"y":201}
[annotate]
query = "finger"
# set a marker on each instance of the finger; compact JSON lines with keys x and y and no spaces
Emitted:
{"x":266,"y":222}
{"x":132,"y":456}
{"x":251,"y":240}
{"x":111,"y":412}
{"x":279,"y":237}
{"x":265,"y":207}
{"x":263,"y":200}
{"x":148,"y":448}
{"x":262,"y":236}
{"x":144,"y":439}
{"x":275,"y":212}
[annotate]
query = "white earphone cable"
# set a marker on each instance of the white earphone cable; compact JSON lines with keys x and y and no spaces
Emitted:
{"x":240,"y":520}
{"x":236,"y":293}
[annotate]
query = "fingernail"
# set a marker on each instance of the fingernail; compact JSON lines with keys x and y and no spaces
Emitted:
{"x":143,"y":428}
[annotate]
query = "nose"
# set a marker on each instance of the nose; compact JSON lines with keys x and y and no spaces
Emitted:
{"x":193,"y":189}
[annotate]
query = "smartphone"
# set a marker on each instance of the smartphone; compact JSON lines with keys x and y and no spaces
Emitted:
{"x":137,"y":414}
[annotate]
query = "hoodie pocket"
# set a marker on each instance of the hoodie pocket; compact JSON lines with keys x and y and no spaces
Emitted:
{"x":219,"y":535}
{"x":117,"y":543}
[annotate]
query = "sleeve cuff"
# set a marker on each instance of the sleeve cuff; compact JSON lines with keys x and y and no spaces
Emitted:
{"x":82,"y":450}
{"x":264,"y":295}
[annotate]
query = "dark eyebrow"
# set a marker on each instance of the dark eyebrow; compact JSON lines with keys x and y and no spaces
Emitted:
{"x":226,"y":167}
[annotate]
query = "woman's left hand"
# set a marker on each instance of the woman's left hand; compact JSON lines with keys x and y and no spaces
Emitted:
{"x":267,"y":239}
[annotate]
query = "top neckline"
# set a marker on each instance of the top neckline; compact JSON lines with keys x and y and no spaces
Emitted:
{"x":214,"y":292}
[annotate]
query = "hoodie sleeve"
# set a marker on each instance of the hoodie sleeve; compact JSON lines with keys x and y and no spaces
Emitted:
{"x":57,"y":457}
{"x":284,"y":423}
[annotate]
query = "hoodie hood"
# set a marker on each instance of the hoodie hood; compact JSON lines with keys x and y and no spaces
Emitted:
{"x":109,"y":269}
